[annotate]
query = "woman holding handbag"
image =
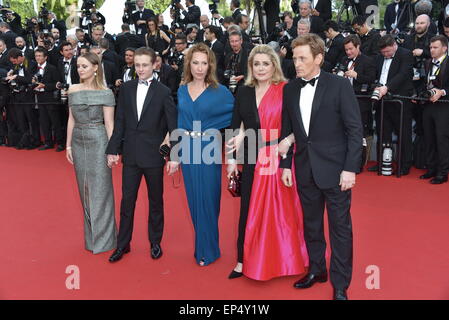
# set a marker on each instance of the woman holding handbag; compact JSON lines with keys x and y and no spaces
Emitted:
{"x":270,"y":239}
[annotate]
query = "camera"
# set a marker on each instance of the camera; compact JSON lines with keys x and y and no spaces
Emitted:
{"x":228,"y":75}
{"x":427,"y":94}
{"x":376,"y":94}
{"x":340,"y":69}
{"x":213,"y":8}
{"x":175,"y":11}
{"x":3,"y":17}
{"x":86,"y":8}
{"x":176,"y":58}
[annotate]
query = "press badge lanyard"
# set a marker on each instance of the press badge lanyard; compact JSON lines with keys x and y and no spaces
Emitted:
{"x":433,"y":76}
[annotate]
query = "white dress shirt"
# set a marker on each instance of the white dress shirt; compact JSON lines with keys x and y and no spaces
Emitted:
{"x":305,"y":103}
{"x":385,"y":69}
{"x":41,"y":72}
{"x":67,"y":70}
{"x":142,"y":91}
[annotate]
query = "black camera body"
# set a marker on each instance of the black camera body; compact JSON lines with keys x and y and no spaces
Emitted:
{"x":177,"y":58}
{"x":213,"y":7}
{"x":340,"y":69}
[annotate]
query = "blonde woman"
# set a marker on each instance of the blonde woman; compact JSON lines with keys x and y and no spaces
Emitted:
{"x":270,"y":238}
{"x":90,"y":125}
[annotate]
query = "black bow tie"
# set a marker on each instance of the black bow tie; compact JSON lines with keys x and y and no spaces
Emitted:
{"x":127,"y":68}
{"x":66,"y":62}
{"x":436,"y":64}
{"x":303,"y":82}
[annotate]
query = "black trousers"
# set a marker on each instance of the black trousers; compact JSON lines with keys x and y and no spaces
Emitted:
{"x":13,"y":132}
{"x":131,"y":178}
{"x":392,"y":124}
{"x":28,"y":123}
{"x":436,"y":137}
{"x":246,"y":187}
{"x":50,"y":118}
{"x":3,"y":123}
{"x":338,"y":204}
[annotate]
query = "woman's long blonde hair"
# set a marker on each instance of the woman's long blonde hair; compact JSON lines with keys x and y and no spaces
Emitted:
{"x":211,"y":76}
{"x":278,"y":75}
{"x":98,"y":82}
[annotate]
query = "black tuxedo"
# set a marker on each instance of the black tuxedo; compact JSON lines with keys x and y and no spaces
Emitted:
{"x":167,"y":76}
{"x":236,"y":13}
{"x":61,"y":26}
{"x":138,"y":141}
{"x":316,"y":25}
{"x":114,"y":58}
{"x":288,"y":68}
{"x":132,"y":73}
{"x":332,"y":145}
{"x":370,"y":42}
{"x":111,"y":73}
{"x":141,"y":29}
{"x":335,"y":52}
{"x":53,"y":56}
{"x":399,"y":82}
{"x":218,"y":49}
{"x":74,"y":76}
{"x":9,"y":38}
{"x":324,"y":7}
{"x":4,"y":61}
{"x":436,"y":123}
{"x":390,"y":17}
{"x":127,"y":40}
{"x":192,"y":15}
{"x":366,"y":75}
{"x":50,"y":114}
{"x":271,"y":8}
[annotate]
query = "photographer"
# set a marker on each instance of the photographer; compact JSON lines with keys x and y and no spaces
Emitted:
{"x":20,"y":81}
{"x":205,"y":22}
{"x":4,"y":60}
{"x":315,"y":22}
{"x":212,"y":33}
{"x":111,"y":72}
{"x":67,"y":68}
{"x":128,"y":71}
{"x":46,"y":41}
{"x":176,"y":58}
{"x":334,"y":45}
{"x":127,"y":40}
{"x":99,"y":33}
{"x":394,"y":72}
{"x":436,"y":115}
{"x":14,"y":20}
{"x":21,"y":44}
{"x":52,"y":23}
{"x":236,"y":62}
{"x":191,"y":34}
{"x":192,"y":15}
{"x":361,"y":72}
{"x":166,"y":75}
{"x":139,"y":17}
{"x":45,"y":80}
{"x":90,"y":17}
{"x":7,"y":35}
{"x":235,"y":8}
{"x":397,"y":17}
{"x":368,"y":36}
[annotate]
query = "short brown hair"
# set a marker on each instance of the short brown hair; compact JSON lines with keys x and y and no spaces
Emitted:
{"x":352,"y":38}
{"x":441,"y":38}
{"x":312,"y":40}
{"x":144,"y":51}
{"x":211,"y":76}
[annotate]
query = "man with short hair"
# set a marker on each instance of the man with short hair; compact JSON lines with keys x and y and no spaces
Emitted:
{"x":21,"y":44}
{"x":334,"y":45}
{"x":4,"y":60}
{"x":368,"y":36}
{"x":211,"y":33}
{"x":145,"y":114}
{"x":139,"y":18}
{"x":236,"y":61}
{"x":8,"y":36}
{"x":321,"y":110}
{"x":127,"y":40}
{"x":192,"y":14}
{"x":315,"y":22}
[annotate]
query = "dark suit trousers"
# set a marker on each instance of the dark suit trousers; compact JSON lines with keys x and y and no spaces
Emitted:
{"x":436,"y":136}
{"x":132,"y":176}
{"x":49,"y":117}
{"x":246,"y":187}
{"x":391,"y":124}
{"x":28,"y":123}
{"x":338,"y":203}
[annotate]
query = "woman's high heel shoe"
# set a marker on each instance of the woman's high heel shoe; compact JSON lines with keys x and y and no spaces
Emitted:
{"x":234,"y":274}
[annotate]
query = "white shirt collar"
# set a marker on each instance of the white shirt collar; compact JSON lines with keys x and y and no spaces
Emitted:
{"x":43,"y":65}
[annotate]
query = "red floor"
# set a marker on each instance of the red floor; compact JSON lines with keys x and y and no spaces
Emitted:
{"x":400,"y":226}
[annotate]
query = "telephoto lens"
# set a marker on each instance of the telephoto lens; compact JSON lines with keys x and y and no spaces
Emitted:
{"x":387,"y":160}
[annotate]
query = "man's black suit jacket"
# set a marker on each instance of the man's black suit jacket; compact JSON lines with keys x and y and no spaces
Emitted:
{"x":74,"y":76}
{"x":400,"y":75}
{"x":142,"y":29}
{"x":127,"y":40}
{"x":219,"y":49}
{"x":192,"y":15}
{"x":138,"y":141}
{"x":334,"y":142}
{"x":50,"y":78}
{"x":441,"y":79}
{"x":167,"y":76}
{"x":324,"y":7}
{"x":111,"y":73}
{"x":4,"y":61}
{"x":9,"y":38}
{"x":336,"y":51}
{"x":370,"y":42}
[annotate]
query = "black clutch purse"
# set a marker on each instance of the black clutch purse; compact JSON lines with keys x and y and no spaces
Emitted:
{"x":234,"y":185}
{"x":164,"y":150}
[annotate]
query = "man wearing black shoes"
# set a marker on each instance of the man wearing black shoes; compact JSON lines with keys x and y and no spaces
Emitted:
{"x":322,"y":112}
{"x":436,"y":114}
{"x":145,"y":113}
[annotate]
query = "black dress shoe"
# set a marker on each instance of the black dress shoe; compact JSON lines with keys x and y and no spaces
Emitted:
{"x":309,"y":280}
{"x":20,"y":147}
{"x":234,"y":274}
{"x":439,"y":180}
{"x":156,"y":251}
{"x":428,"y":175}
{"x":405,"y":171}
{"x":2,"y":142}
{"x":45,"y":147}
{"x":118,"y":254}
{"x":374,"y":168}
{"x":340,"y":295}
{"x":60,"y":148}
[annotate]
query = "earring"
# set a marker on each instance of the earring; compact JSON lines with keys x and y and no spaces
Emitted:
{"x":95,"y":74}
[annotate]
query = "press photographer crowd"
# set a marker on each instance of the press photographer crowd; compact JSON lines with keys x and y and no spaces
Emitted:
{"x":403,"y":62}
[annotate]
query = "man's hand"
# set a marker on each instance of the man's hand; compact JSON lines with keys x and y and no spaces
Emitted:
{"x":118,"y":83}
{"x":287,"y":177}
{"x":172,"y":167}
{"x":175,"y":66}
{"x":417,"y":52}
{"x":351,"y":74}
{"x":113,"y":160}
{"x":139,"y":22}
{"x":238,"y":78}
{"x":40,"y":86}
{"x":437,"y":95}
{"x":382,"y":91}
{"x":315,"y":12}
{"x":180,"y":6}
{"x":347,"y":180}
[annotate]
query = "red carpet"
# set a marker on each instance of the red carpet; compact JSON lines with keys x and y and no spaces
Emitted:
{"x":400,"y":226}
